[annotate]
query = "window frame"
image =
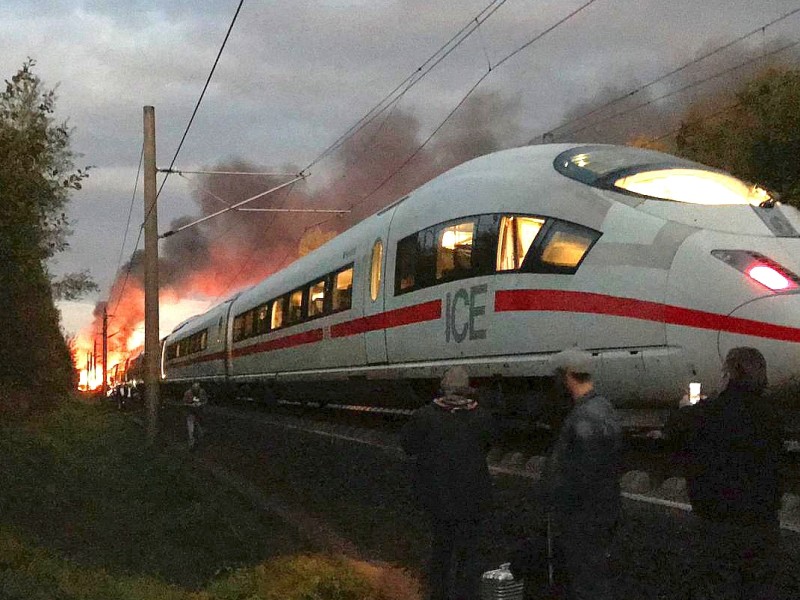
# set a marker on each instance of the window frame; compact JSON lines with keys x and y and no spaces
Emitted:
{"x":533,"y":260}
{"x":307,"y":297}
{"x":333,"y":275}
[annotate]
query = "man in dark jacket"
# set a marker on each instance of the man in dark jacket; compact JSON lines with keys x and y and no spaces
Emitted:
{"x":581,"y":479}
{"x":730,"y":447}
{"x":450,"y":438}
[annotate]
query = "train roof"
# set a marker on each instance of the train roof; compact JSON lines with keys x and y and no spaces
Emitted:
{"x":573,"y":182}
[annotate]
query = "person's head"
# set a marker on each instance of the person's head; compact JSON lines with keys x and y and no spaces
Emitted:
{"x":746,"y":368}
{"x":456,"y":382}
{"x":573,"y":369}
{"x":196,"y":387}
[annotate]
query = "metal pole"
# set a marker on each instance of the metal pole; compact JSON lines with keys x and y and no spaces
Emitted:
{"x":151,"y":342}
{"x":105,"y":351}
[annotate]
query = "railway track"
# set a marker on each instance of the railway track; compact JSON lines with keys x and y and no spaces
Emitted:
{"x":647,"y":478}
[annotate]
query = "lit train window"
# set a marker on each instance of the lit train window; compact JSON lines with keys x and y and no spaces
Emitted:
{"x":342,"y":290}
{"x":316,"y":299}
{"x":375,"y":270}
{"x":565,"y":246}
{"x":277,"y":313}
{"x":692,"y":186}
{"x":454,"y":251}
{"x":515,"y":239}
{"x":295,"y":313}
{"x":656,"y":175}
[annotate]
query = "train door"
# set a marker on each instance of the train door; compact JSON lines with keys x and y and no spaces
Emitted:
{"x":374,"y":304}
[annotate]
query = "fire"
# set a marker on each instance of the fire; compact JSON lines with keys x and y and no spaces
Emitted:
{"x":126,"y":336}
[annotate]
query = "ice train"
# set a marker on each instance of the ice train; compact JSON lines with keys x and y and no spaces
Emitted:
{"x":655,"y":264}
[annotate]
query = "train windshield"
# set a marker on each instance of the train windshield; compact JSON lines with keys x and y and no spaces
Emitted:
{"x":651,"y":174}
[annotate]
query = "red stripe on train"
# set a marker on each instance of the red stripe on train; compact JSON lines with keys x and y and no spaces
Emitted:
{"x":298,"y":339}
{"x":418,"y":313}
{"x":601,"y":304}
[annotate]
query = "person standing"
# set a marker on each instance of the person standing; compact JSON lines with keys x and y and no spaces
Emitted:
{"x":195,"y":399}
{"x":581,"y":479}
{"x":730,"y":447}
{"x":450,"y":438}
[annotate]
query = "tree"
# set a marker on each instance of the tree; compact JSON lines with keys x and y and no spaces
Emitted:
{"x":755,"y":136}
{"x":37,"y":175}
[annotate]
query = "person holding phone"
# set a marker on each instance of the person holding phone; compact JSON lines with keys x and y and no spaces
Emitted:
{"x":729,"y":447}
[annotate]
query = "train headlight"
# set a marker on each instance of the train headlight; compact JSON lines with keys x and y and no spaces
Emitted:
{"x":760,"y":269}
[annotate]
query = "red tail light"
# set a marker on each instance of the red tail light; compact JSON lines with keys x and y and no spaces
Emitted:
{"x":760,"y":269}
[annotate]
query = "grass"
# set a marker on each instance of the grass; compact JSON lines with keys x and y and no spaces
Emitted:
{"x":87,"y":511}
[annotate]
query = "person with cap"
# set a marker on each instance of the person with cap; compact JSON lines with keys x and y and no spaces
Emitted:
{"x":450,"y":438}
{"x":730,"y":448}
{"x":581,"y":479}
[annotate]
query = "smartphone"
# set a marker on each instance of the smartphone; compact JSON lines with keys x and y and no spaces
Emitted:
{"x":694,"y":393}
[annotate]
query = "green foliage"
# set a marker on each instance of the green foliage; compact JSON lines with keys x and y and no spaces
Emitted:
{"x":86,"y":512}
{"x":758,"y":139}
{"x":37,"y":171}
{"x":296,"y":578}
{"x":36,"y":177}
{"x":74,"y":285}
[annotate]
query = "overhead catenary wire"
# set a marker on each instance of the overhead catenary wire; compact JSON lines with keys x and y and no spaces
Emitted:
{"x":708,"y":117}
{"x":391,"y":99}
{"x":180,"y":144}
{"x":415,"y":77}
{"x":130,"y":209}
{"x":261,"y":173}
{"x":761,"y":29}
{"x":685,"y":87}
{"x":460,"y":103}
{"x":286,"y":210}
{"x":246,"y":263}
{"x":232,"y":207}
{"x":197,"y":105}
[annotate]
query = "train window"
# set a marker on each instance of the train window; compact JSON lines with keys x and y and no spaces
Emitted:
{"x":693,"y":186}
{"x":651,"y":174}
{"x":295,"y":312}
{"x":203,"y":340}
{"x":316,"y":299}
{"x":515,"y":239}
{"x":277,"y":313}
{"x":247,"y":326}
{"x":219,"y":330}
{"x":454,"y":251}
{"x":375,"y":270}
{"x":262,"y":319}
{"x":406,"y":270}
{"x":238,"y":328}
{"x":342,"y":289}
{"x":564,"y":247}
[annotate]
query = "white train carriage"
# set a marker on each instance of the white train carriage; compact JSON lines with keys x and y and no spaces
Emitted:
{"x":655,"y":264}
{"x":196,"y":350}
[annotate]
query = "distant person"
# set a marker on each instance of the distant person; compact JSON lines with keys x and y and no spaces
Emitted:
{"x":581,"y":480}
{"x":730,"y":447}
{"x":450,"y":438}
{"x":195,"y":399}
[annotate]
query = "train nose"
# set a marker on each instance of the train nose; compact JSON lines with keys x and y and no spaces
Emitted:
{"x":772,"y":325}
